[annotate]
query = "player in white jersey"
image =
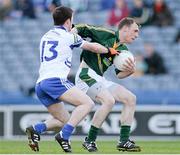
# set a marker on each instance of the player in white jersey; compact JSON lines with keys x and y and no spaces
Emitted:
{"x":52,"y":85}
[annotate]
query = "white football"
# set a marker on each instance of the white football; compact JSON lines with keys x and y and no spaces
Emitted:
{"x":120,"y":59}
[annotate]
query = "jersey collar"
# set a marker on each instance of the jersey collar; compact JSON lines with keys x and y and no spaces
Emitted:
{"x":117,"y":36}
{"x":117,"y":40}
{"x":60,"y":27}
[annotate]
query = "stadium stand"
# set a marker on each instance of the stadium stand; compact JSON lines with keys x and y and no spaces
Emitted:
{"x":19,"y":58}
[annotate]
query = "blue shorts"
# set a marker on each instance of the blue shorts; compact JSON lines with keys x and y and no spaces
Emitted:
{"x":49,"y":90}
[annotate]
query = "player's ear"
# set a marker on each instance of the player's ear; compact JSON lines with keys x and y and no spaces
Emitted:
{"x":69,"y":20}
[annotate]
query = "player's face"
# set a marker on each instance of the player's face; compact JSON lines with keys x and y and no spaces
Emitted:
{"x":132,"y":33}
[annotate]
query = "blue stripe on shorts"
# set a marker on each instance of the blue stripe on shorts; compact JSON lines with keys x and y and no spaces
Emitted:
{"x":49,"y":90}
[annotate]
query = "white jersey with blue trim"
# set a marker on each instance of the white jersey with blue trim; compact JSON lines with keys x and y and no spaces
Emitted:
{"x":56,"y":53}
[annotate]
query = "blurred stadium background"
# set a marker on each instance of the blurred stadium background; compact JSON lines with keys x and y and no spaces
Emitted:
{"x":22,"y":24}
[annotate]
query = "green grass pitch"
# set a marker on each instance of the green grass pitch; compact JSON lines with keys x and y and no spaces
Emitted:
{"x":105,"y":147}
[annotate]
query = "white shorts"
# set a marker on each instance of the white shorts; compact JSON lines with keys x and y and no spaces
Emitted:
{"x":90,"y":82}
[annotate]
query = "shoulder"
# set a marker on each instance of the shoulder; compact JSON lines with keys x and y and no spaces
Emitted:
{"x":73,"y":36}
{"x":123,"y":47}
{"x":96,"y":28}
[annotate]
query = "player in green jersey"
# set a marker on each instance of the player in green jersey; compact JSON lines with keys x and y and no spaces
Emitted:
{"x":90,"y":79}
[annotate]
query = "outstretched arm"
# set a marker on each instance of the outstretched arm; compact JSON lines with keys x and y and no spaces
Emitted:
{"x":98,"y":48}
{"x":77,"y":41}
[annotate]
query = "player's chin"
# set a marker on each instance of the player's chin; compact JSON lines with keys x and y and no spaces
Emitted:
{"x":131,"y":40}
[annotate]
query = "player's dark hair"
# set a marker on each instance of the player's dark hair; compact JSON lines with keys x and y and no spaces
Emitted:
{"x":61,"y":14}
{"x":125,"y":21}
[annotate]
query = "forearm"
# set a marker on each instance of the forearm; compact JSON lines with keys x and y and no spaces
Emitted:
{"x":123,"y":74}
{"x":94,"y":47}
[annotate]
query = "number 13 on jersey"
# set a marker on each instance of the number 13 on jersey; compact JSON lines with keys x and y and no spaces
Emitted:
{"x":50,"y":45}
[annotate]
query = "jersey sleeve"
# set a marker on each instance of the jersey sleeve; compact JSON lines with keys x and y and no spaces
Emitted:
{"x":76,"y":41}
{"x":93,"y":32}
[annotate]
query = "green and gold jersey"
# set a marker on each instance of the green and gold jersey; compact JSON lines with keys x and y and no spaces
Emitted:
{"x":99,"y":62}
